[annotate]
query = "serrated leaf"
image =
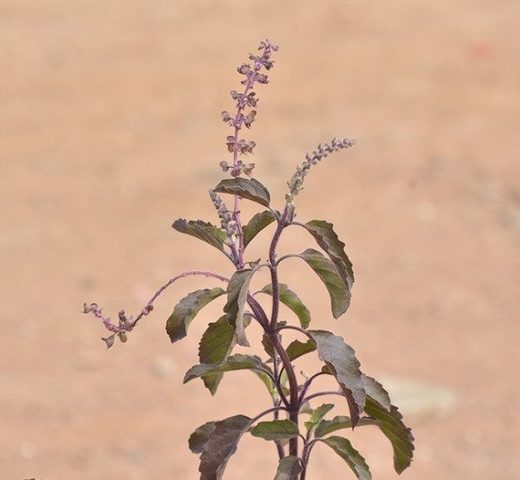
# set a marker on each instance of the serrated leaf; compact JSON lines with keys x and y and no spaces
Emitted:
{"x":317,"y":415}
{"x":392,"y":426}
{"x":257,"y":223}
{"x":296,"y":348}
{"x":342,"y":362}
{"x":376,"y":391}
{"x":235,"y":362}
{"x":268,"y":345}
{"x":348,"y":453}
{"x":250,"y":189}
{"x":215,"y":346}
{"x":326,"y":237}
{"x":236,"y":300}
{"x":221,"y":445}
{"x":289,"y":468}
{"x":275,"y":430}
{"x":200,"y":437}
{"x":337,"y":423}
{"x":187,"y":309}
{"x":291,"y":300}
{"x":328,"y":273}
{"x":203,"y":231}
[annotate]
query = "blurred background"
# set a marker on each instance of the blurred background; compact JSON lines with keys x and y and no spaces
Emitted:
{"x":110,"y":129}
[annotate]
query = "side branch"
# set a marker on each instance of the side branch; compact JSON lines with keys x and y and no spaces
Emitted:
{"x":127,"y":323}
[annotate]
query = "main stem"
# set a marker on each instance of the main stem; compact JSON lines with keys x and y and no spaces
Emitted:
{"x":294,"y":404}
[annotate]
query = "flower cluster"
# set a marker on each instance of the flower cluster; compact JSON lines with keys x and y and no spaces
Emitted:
{"x":125,"y":324}
{"x":229,"y":225}
{"x":245,"y":103}
{"x":296,"y":182}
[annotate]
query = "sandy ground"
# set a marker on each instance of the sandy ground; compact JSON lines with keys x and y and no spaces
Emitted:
{"x":109,"y":130}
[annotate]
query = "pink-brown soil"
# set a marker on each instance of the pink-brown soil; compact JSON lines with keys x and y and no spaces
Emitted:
{"x":109,"y":130}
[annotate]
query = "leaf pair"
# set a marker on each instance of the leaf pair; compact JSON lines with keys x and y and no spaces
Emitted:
{"x":336,"y":273}
{"x":382,"y":414}
{"x":218,"y":441}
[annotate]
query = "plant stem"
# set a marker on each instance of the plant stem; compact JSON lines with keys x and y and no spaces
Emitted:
{"x":321,"y":394}
{"x":273,"y":335}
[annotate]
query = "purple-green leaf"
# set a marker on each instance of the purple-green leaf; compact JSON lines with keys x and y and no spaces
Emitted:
{"x":257,"y":223}
{"x":187,"y":309}
{"x":296,"y":348}
{"x":233,"y":363}
{"x":341,"y":360}
{"x":326,"y":237}
{"x":289,"y":468}
{"x":317,"y":415}
{"x":200,"y":437}
{"x":236,"y":299}
{"x":390,"y":421}
{"x":328,"y":273}
{"x":337,"y":423}
{"x":221,"y":445}
{"x":291,"y":300}
{"x":348,"y":453}
{"x":203,"y":231}
{"x":249,"y":189}
{"x":376,"y":391}
{"x":215,"y":346}
{"x":275,"y":430}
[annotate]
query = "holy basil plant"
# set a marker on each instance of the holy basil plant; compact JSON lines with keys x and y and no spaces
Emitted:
{"x":293,"y":421}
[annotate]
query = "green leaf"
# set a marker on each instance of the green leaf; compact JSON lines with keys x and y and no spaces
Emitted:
{"x":317,"y":415}
{"x":348,"y":453}
{"x":296,"y":348}
{"x":215,"y":346}
{"x":203,"y":231}
{"x":187,"y":309}
{"x":237,"y":297}
{"x":341,"y":360}
{"x":290,"y":299}
{"x":200,"y":437}
{"x":289,"y":468}
{"x":235,"y":362}
{"x":275,"y":430}
{"x":327,"y":239}
{"x":221,"y":445}
{"x":337,"y":423}
{"x":257,"y":223}
{"x":327,"y":271}
{"x":392,"y":426}
{"x":250,"y":189}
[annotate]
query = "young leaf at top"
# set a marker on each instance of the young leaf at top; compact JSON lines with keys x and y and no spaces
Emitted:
{"x":200,"y":437}
{"x":237,"y":298}
{"x":341,"y":360}
{"x":257,"y":223}
{"x":275,"y":430}
{"x":317,"y":415}
{"x":327,"y":271}
{"x":291,"y":300}
{"x":187,"y":309}
{"x":249,"y":189}
{"x":296,"y":348}
{"x":203,"y":231}
{"x":221,"y":445}
{"x":348,"y":453}
{"x":289,"y":468}
{"x":215,"y":346}
{"x":395,"y":430}
{"x":327,"y":239}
